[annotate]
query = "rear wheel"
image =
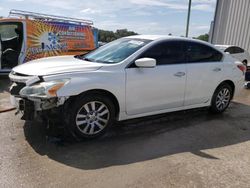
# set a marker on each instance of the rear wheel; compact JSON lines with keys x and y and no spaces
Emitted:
{"x":91,"y":116}
{"x":221,"y":98}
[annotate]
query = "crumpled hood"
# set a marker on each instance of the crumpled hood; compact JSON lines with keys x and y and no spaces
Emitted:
{"x":56,"y":65}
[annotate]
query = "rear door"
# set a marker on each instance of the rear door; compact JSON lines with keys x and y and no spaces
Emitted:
{"x":161,"y":87}
{"x":204,"y":72}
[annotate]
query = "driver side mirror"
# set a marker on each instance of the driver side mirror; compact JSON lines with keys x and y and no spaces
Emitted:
{"x":145,"y":62}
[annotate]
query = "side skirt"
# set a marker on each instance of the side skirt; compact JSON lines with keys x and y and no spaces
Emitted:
{"x":124,"y":116}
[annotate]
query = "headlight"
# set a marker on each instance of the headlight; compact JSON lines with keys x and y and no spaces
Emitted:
{"x":43,"y":89}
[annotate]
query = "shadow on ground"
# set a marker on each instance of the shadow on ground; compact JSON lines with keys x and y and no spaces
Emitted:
{"x":5,"y":104}
{"x":149,"y":138}
{"x":4,"y":84}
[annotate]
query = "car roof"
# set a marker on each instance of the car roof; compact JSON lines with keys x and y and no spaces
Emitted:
{"x":149,"y":37}
{"x":223,"y":46}
{"x":167,"y":37}
{"x":156,"y":37}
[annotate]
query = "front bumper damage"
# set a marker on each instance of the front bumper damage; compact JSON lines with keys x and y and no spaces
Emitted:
{"x":33,"y":108}
{"x":36,"y":109}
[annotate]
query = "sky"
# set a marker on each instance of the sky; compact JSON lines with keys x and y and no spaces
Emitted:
{"x":141,"y":16}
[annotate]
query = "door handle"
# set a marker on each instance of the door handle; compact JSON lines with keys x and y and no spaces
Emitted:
{"x":217,"y":69}
{"x":179,"y":74}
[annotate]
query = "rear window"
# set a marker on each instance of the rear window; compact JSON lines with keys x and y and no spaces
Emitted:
{"x":197,"y":52}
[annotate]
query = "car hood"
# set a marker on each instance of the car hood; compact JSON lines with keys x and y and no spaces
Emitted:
{"x":56,"y":65}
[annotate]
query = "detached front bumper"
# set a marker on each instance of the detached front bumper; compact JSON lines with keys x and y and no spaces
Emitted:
{"x":35,"y":108}
{"x":32,"y":107}
{"x":25,"y":106}
{"x":38,"y":109}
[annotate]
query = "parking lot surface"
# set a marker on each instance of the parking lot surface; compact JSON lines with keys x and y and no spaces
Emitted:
{"x":184,"y":149}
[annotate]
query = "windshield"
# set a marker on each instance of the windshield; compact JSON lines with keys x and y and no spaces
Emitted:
{"x":116,"y":51}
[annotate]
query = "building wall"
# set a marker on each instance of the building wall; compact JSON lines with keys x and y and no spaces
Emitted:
{"x":232,"y":23}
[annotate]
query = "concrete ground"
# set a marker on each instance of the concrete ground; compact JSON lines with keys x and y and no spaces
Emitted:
{"x":4,"y":95}
{"x":184,"y":149}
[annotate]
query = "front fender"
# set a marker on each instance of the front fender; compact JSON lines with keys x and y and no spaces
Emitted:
{"x":113,"y":82}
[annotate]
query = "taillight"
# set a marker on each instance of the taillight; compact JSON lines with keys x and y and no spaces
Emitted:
{"x":242,"y":68}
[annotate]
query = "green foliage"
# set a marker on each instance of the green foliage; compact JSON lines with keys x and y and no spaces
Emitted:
{"x":108,"y":36}
{"x":203,"y":37}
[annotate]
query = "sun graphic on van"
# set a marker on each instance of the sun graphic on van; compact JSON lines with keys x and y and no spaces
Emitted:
{"x":44,"y":39}
{"x":48,"y":38}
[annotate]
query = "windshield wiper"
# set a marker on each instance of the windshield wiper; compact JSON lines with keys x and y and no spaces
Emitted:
{"x":87,"y":59}
{"x":83,"y":58}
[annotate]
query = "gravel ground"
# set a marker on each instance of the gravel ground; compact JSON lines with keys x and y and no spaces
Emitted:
{"x":184,"y":149}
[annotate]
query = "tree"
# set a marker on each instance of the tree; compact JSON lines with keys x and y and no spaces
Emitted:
{"x":108,"y":36}
{"x":203,"y":37}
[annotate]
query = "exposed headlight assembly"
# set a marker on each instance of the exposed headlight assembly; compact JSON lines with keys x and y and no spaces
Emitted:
{"x":44,"y":89}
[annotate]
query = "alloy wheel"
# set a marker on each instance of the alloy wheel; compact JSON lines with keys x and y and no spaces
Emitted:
{"x":223,"y":99}
{"x":92,"y":117}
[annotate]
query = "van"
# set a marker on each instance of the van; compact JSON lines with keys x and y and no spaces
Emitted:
{"x":26,"y":36}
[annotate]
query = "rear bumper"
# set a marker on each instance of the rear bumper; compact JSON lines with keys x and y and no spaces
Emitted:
{"x":239,"y":86}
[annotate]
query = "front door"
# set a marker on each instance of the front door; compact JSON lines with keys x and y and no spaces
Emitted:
{"x":158,"y":88}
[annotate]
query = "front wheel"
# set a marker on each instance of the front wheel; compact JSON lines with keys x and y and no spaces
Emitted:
{"x":221,"y":98}
{"x":91,"y":116}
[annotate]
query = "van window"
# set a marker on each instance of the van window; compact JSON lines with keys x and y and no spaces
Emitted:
{"x":197,"y":52}
{"x":7,"y":31}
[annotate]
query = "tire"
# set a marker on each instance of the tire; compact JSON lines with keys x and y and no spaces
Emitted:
{"x":221,"y":98}
{"x":91,"y":116}
{"x":244,"y":62}
{"x":248,"y":85}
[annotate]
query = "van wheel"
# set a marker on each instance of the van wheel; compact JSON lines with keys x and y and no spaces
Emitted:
{"x":221,"y":98}
{"x":91,"y":116}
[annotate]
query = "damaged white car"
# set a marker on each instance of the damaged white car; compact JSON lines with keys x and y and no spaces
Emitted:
{"x":128,"y":78}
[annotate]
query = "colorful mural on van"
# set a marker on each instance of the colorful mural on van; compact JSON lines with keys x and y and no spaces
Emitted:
{"x":46,"y":39}
{"x":26,"y":36}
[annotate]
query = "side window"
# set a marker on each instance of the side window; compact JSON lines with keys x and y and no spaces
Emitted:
{"x":238,"y":50}
{"x":230,"y":50}
{"x":171,"y":52}
{"x":197,"y":52}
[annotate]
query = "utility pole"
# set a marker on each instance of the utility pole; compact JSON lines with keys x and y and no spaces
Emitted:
{"x":188,"y":17}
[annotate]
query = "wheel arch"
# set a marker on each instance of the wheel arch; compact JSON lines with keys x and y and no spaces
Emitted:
{"x":230,"y":83}
{"x":98,"y":91}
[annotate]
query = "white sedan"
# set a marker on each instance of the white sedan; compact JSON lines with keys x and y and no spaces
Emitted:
{"x":131,"y":77}
{"x":237,"y":52}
